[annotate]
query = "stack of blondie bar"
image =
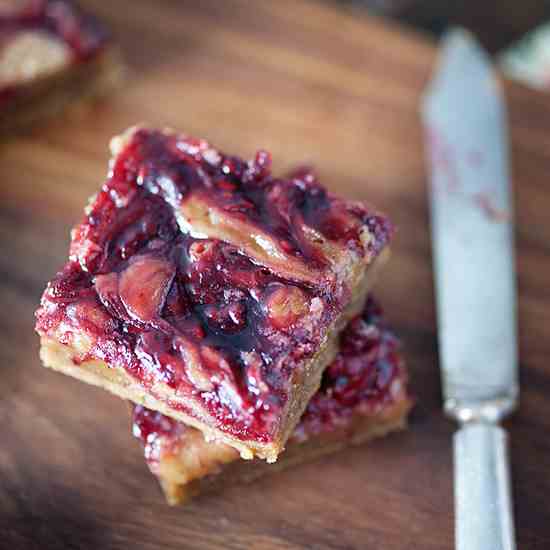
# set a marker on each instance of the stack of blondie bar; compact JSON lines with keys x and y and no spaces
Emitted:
{"x":231,"y":307}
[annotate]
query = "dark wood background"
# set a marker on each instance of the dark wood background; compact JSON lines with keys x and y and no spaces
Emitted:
{"x":312,"y":85}
{"x":496,"y":23}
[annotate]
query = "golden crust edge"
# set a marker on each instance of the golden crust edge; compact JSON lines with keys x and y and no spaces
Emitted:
{"x":230,"y":471}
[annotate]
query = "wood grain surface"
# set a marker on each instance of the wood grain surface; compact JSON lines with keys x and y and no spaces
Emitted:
{"x":314,"y":86}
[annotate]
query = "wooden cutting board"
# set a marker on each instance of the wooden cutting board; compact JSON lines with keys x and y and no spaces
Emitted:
{"x":312,"y":85}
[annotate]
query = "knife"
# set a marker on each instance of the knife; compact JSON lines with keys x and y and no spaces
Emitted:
{"x":464,"y":117}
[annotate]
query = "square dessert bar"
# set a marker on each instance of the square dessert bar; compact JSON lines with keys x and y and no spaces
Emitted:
{"x":204,"y":287}
{"x":363,"y":395}
{"x":51,"y":52}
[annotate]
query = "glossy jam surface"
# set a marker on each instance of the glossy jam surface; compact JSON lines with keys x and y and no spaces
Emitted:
{"x":362,"y":380}
{"x":199,"y":315}
{"x":82,"y":32}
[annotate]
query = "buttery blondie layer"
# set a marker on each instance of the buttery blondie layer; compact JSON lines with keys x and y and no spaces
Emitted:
{"x":200,"y":467}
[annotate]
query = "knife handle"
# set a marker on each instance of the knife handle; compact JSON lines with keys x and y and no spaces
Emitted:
{"x":483,"y":504}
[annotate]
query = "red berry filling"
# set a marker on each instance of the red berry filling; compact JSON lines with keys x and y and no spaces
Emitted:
{"x":364,"y":377}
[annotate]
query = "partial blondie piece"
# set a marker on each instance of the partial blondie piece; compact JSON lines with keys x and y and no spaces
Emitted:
{"x":51,"y":52}
{"x":201,"y":286}
{"x":363,"y":395}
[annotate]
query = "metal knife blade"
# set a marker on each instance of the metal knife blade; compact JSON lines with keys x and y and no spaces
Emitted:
{"x":472,"y":231}
{"x":472,"y":242}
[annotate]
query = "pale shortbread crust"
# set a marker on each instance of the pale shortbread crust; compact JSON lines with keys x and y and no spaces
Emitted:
{"x":198,"y":466}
